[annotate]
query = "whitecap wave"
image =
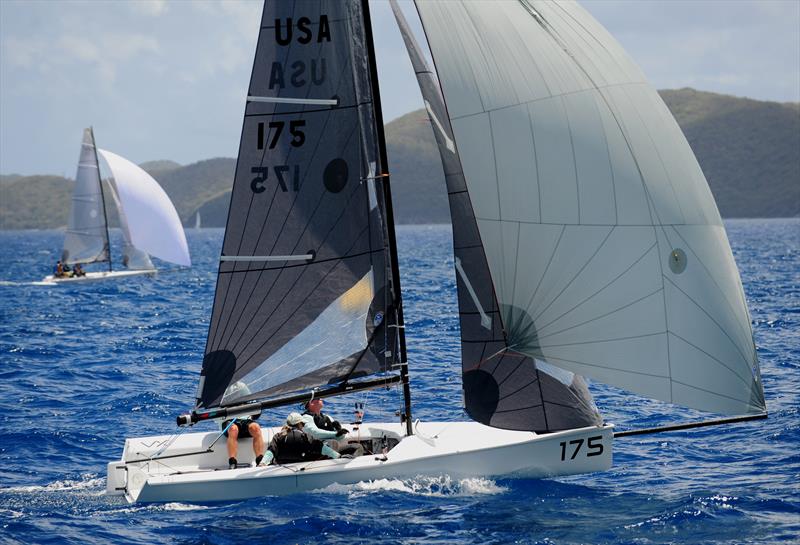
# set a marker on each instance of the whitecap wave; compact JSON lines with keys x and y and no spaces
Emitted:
{"x":88,"y":482}
{"x":442,"y":486}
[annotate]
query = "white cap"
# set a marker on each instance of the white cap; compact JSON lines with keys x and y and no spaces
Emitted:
{"x":294,"y":419}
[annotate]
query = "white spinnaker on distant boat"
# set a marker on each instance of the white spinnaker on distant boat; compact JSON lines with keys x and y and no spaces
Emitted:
{"x":152,"y":219}
{"x":605,"y":246}
{"x":132,"y":257}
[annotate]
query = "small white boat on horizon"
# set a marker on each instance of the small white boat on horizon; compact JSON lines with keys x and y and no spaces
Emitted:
{"x":149,"y":222}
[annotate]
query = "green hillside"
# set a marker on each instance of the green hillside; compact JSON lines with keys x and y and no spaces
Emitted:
{"x":749,"y":151}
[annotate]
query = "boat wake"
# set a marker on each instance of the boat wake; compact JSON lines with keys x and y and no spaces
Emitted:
{"x":94,"y":486}
{"x":442,"y":486}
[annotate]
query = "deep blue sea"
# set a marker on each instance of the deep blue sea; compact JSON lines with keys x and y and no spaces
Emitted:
{"x":83,"y":367}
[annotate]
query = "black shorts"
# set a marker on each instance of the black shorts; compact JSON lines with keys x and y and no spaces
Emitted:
{"x":242,"y":424}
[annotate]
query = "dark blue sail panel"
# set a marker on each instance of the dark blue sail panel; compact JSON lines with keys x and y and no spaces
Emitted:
{"x":302,"y":298}
{"x":503,"y":388}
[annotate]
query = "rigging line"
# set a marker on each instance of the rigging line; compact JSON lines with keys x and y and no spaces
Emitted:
{"x":691,"y":425}
{"x":300,"y":237}
{"x":280,"y":326}
{"x":575,"y":276}
{"x":609,"y":313}
{"x":747,"y":335}
{"x":540,"y":328}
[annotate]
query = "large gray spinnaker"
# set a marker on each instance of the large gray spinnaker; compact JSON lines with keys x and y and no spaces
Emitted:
{"x":502,"y":387}
{"x":86,"y":239}
{"x":607,"y":251}
{"x":303,"y":297}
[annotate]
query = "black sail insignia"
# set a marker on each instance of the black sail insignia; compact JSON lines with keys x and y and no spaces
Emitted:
{"x":503,"y":388}
{"x":304,"y":296}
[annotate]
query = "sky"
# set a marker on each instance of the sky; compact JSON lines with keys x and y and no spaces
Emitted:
{"x":162,"y":79}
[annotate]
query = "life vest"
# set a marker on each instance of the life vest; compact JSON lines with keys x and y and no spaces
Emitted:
{"x":324,"y":422}
{"x":296,"y":446}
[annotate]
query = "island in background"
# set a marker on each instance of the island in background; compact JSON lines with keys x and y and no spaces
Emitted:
{"x":749,"y":151}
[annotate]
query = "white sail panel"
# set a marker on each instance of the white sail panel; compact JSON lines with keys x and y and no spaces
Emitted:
{"x":152,"y":220}
{"x":132,"y":257}
{"x":622,"y":271}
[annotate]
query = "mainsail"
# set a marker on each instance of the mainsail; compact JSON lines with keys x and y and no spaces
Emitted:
{"x":503,"y":387}
{"x":605,"y":247}
{"x":305,"y":293}
{"x":86,"y":239}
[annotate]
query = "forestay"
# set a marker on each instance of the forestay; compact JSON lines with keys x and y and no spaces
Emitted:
{"x":502,"y":386}
{"x":606,"y":249}
{"x":86,"y":239}
{"x":303,"y":295}
{"x":152,"y":221}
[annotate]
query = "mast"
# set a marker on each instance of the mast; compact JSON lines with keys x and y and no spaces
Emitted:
{"x":102,"y":198}
{"x":383,"y":174}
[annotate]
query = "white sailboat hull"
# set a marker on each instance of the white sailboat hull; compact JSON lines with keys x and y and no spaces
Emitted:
{"x":456,"y":449}
{"x":93,"y":276}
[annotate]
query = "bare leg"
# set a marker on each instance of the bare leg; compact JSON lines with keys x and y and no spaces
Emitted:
{"x":258,"y":439}
{"x":233,"y":443}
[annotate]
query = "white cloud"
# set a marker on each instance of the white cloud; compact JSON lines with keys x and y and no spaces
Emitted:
{"x":152,"y":8}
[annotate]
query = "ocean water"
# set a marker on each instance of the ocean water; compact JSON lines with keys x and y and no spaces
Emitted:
{"x":83,"y":367}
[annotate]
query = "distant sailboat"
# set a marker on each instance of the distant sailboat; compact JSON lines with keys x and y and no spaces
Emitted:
{"x":197,"y":220}
{"x":149,"y":222}
{"x":586,"y":242}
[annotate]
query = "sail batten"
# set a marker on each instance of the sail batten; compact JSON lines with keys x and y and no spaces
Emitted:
{"x":624,"y":273}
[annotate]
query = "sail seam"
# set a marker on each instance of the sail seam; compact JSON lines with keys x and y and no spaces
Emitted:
{"x":615,"y":339}
{"x":735,"y":345}
{"x":547,"y":268}
{"x":280,"y":326}
{"x":610,"y":368}
{"x":747,"y":334}
{"x":269,"y":211}
{"x":710,"y":392}
{"x":575,"y":276}
{"x":603,"y":288}
{"x":550,"y":97}
{"x":283,"y":225}
{"x":609,"y":313}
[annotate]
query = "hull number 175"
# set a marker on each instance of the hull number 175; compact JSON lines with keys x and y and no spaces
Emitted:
{"x":571,"y":449}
